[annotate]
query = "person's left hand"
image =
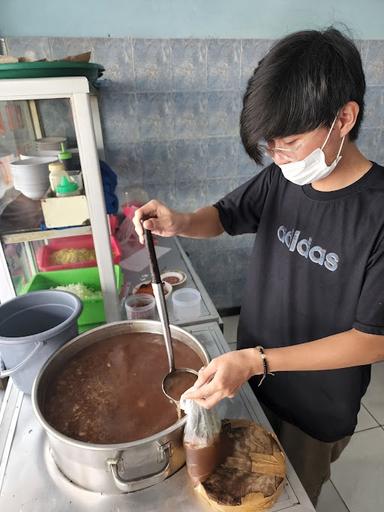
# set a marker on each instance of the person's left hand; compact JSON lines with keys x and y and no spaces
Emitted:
{"x":223,"y":377}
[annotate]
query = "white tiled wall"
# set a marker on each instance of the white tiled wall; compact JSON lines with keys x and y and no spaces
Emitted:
{"x":357,"y":481}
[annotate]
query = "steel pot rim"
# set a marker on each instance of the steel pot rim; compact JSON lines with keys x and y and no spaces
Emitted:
{"x":112,"y":446}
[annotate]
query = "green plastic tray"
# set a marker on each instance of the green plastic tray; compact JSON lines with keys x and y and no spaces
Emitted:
{"x":51,"y":69}
{"x":93,"y":310}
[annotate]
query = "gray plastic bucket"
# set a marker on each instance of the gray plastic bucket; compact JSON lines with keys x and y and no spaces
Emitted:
{"x":32,"y":328}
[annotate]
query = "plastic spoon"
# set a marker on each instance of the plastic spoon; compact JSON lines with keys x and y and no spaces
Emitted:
{"x":175,"y":375}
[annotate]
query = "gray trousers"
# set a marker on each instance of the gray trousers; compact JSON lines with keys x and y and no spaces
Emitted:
{"x":310,"y":458}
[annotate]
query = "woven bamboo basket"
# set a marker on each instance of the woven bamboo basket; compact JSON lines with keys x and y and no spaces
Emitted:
{"x":253,"y":473}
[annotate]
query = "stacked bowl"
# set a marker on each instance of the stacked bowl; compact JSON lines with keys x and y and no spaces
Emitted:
{"x":31,"y":176}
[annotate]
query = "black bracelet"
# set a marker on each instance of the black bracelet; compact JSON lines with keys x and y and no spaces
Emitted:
{"x":266,"y":371}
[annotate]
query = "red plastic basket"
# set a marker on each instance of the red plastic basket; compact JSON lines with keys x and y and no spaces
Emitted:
{"x":72,"y":242}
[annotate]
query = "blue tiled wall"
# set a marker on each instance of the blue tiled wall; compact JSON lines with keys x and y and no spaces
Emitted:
{"x":170,"y":112}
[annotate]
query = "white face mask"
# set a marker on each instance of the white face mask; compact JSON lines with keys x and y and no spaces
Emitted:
{"x":313,"y":167}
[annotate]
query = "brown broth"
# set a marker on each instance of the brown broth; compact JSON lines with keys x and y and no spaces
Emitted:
{"x":172,"y":279}
{"x":111,"y":391}
{"x":201,"y":461}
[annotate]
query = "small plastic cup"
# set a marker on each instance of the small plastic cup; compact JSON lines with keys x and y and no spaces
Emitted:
{"x":186,"y":304}
{"x":140,"y":306}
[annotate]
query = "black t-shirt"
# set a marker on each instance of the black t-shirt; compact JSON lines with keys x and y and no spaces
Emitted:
{"x":316,"y":269}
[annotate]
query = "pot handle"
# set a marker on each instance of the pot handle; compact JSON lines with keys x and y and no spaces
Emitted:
{"x":10,"y":371}
{"x":139,"y":483}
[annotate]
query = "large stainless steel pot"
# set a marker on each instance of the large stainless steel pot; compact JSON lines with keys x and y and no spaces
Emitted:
{"x":113,"y":468}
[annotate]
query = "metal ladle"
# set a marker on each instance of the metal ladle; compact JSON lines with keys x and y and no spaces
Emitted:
{"x":175,"y":374}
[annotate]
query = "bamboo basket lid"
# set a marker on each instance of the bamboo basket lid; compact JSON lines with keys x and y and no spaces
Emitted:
{"x":253,"y":473}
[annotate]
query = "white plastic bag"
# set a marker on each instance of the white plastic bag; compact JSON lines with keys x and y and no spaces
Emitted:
{"x":202,"y":426}
{"x":201,"y":440}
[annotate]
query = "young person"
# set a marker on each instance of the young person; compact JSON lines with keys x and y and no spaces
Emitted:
{"x":313,"y":308}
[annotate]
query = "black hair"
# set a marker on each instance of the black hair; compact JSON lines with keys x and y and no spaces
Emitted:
{"x":300,"y":85}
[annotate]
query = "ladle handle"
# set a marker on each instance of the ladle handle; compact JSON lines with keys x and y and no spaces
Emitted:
{"x":153,"y":265}
{"x":158,"y":292}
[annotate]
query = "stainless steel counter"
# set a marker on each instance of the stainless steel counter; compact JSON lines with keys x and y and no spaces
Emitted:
{"x":176,"y":259}
{"x":30,"y":481}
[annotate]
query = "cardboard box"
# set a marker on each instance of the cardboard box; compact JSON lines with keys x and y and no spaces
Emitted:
{"x":61,"y":212}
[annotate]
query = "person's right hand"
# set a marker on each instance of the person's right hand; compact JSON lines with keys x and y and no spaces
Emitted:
{"x":159,"y":219}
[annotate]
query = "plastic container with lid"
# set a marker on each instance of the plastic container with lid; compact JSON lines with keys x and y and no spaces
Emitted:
{"x":141,"y":306}
{"x":67,"y":188}
{"x":186,"y":304}
{"x":56,"y":172}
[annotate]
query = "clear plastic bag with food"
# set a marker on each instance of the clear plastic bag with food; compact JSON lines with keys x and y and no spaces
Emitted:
{"x":128,"y":238}
{"x":201,"y":440}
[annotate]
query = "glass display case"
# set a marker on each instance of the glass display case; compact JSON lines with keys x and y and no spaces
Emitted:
{"x":37,"y":115}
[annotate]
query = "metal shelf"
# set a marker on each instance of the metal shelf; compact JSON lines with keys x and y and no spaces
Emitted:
{"x":34,"y":236}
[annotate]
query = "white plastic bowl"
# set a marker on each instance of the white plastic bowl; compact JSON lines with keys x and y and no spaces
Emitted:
{"x":31,"y":176}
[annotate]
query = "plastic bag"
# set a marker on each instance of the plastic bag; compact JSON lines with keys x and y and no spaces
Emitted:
{"x":202,"y":426}
{"x":128,"y":238}
{"x":201,"y":440}
{"x":134,"y":197}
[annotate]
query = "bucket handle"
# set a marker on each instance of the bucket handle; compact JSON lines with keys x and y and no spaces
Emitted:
{"x":137,"y":484}
{"x":10,"y":371}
